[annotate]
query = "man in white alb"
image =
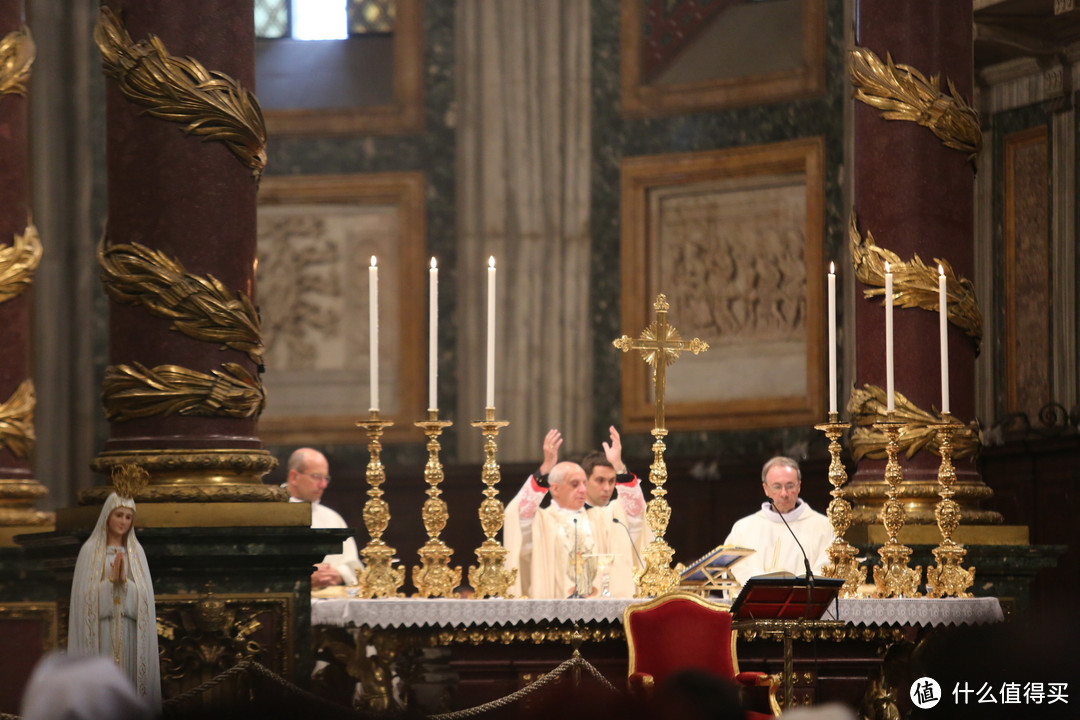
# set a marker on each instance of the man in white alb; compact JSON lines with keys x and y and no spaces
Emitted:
{"x":556,"y":548}
{"x":309,"y":475}
{"x":765,"y":532}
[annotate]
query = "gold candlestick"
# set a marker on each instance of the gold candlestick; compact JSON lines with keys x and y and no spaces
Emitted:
{"x":893,"y":577}
{"x":657,"y":577}
{"x":378,"y":579}
{"x":842,"y":563}
{"x":948,"y":578}
{"x":434,"y":577}
{"x":491,"y":577}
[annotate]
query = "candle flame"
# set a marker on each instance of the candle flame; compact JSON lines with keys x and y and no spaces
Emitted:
{"x":433,"y":264}
{"x":491,"y":262}
{"x":832,"y":268}
{"x":887,"y":270}
{"x":373,"y":263}
{"x":941,"y":270}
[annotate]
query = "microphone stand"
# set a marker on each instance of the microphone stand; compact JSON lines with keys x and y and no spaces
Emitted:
{"x":631,"y":539}
{"x":789,"y":679}
{"x":806,"y":562}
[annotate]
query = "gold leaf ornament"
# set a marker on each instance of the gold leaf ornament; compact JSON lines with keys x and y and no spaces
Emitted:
{"x":135,"y":391}
{"x":200,"y":307}
{"x":17,"y":52}
{"x":18,"y":262}
{"x":868,"y":406}
{"x":17,"y":420}
{"x":181,"y":90}
{"x":903,"y":93}
{"x":915,"y":284}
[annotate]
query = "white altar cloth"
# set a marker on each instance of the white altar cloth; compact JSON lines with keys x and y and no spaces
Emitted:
{"x":917,"y":611}
{"x":440,"y":612}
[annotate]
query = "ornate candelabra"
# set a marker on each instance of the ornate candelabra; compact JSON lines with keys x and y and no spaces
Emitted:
{"x":434,"y":577}
{"x":842,"y":563}
{"x":893,"y":577}
{"x":378,"y":579}
{"x":948,"y":578}
{"x":491,"y":577}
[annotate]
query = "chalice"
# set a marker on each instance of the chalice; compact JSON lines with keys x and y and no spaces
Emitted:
{"x":604,"y":562}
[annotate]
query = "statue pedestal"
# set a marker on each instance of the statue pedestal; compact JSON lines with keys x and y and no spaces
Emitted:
{"x":231,"y":582}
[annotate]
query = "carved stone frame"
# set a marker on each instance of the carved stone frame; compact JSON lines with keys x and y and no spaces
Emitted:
{"x":644,"y":100}
{"x":641,"y":176}
{"x":404,"y":190}
{"x":403,"y":116}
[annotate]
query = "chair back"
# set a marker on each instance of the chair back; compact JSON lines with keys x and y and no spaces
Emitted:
{"x":677,"y":631}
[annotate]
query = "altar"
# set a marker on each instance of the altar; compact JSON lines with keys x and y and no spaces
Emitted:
{"x":450,"y":654}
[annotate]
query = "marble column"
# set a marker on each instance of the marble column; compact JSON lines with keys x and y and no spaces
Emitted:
{"x":20,"y":253}
{"x":185,"y":150}
{"x":914,"y":194}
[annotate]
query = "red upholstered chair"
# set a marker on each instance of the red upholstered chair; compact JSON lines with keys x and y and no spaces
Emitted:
{"x":678,"y":631}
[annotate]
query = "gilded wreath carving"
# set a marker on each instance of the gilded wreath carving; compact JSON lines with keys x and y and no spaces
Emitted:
{"x":903,"y":93}
{"x":17,"y":52}
{"x":181,"y":90}
{"x":200,"y":307}
{"x":135,"y":391}
{"x":915,"y":283}
{"x":868,"y":405}
{"x":17,"y":420}
{"x":18,"y":262}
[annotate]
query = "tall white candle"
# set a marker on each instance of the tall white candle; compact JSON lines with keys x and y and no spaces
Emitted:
{"x":433,"y":335}
{"x":943,"y":327}
{"x":373,"y":323}
{"x":832,"y":337}
{"x":890,"y":396}
{"x":491,"y":334}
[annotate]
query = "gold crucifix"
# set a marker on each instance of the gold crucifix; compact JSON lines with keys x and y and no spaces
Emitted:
{"x":660,"y":340}
{"x":661,"y":346}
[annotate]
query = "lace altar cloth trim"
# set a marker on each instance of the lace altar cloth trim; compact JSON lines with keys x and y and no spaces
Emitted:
{"x":436,"y":612}
{"x":918,"y":611}
{"x":420,"y":612}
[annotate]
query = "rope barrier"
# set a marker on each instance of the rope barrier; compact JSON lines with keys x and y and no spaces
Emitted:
{"x":539,"y":684}
{"x":251,"y":668}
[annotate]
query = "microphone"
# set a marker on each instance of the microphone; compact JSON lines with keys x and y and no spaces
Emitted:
{"x":805,"y":559}
{"x":631,"y":539}
{"x":576,"y":559}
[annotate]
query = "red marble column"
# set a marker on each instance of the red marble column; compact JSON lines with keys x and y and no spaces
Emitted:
{"x":17,"y":486}
{"x":193,"y":200}
{"x":916,"y":196}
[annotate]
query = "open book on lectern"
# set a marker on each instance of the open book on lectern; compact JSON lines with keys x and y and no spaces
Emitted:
{"x":714,"y":565}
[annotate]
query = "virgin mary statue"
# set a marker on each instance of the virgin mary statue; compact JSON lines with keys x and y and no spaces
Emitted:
{"x":112,"y":598}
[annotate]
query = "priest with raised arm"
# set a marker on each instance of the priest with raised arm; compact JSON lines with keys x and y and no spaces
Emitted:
{"x":558,"y":549}
{"x":771,"y":532}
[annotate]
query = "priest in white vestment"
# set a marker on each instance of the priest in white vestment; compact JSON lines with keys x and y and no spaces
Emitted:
{"x":765,"y":532}
{"x":309,"y":476}
{"x":558,"y":549}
